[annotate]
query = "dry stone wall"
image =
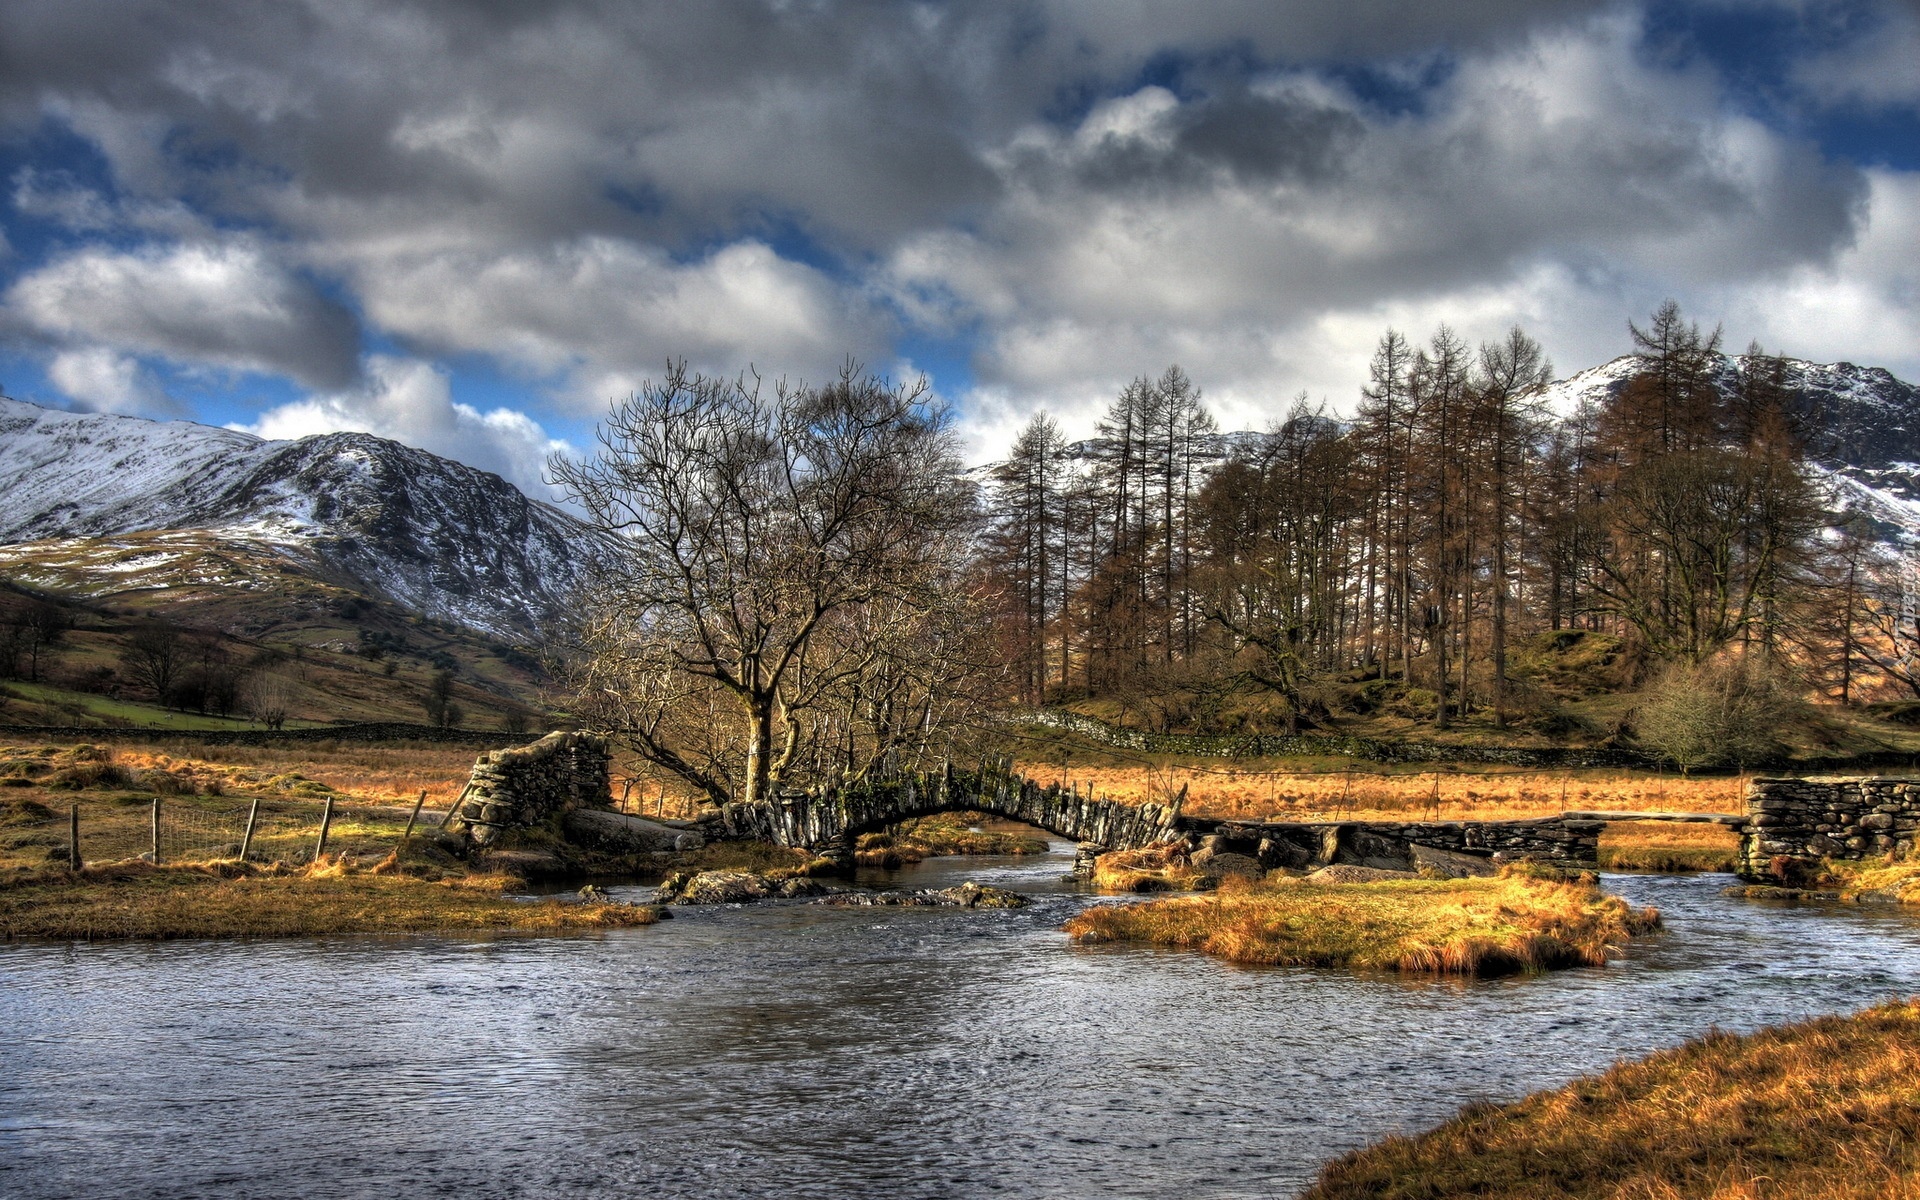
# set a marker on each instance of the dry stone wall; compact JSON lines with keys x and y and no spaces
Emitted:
{"x":1801,"y":821}
{"x":1280,"y":745}
{"x":530,"y":785}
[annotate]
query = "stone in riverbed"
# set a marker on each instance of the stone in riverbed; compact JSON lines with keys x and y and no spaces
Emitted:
{"x":736,"y":887}
{"x":967,"y":895}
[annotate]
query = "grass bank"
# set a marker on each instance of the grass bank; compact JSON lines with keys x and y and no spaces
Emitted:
{"x":1824,"y":1110}
{"x":944,"y":835}
{"x":1519,"y":921}
{"x":1668,"y":846}
{"x":227,"y":900}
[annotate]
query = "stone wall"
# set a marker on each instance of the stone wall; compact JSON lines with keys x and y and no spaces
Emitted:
{"x":1557,"y":841}
{"x":1801,"y":821}
{"x":1278,"y":745}
{"x":530,"y":785}
{"x":358,"y":731}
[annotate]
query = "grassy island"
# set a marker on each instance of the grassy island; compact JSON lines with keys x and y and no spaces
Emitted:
{"x":224,"y":900}
{"x":1519,"y":921}
{"x":1824,"y":1110}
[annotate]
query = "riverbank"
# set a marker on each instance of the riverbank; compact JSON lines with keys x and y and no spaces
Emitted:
{"x":135,"y":900}
{"x":1518,"y":921}
{"x":1822,"y":1110}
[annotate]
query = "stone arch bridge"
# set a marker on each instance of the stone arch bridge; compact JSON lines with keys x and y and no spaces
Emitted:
{"x":563,"y":780}
{"x":829,"y":823}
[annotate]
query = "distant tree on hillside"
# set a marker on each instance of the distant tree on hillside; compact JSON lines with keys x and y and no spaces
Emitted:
{"x":153,"y":657}
{"x":442,"y":711}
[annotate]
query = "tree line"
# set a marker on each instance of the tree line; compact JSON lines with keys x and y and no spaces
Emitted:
{"x":1449,"y":517}
{"x":803,"y":587}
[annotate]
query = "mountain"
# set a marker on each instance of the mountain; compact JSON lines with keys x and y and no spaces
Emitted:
{"x":362,"y":513}
{"x":1862,"y":426}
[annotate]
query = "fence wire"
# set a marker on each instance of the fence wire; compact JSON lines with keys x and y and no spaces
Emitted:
{"x":194,"y":831}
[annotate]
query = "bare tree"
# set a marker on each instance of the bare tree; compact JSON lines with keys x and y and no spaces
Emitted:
{"x":154,"y":657}
{"x":267,"y":698}
{"x":439,"y":702}
{"x":770,"y":559}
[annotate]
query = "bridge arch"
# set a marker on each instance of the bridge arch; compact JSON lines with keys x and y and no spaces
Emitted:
{"x":830,"y":822}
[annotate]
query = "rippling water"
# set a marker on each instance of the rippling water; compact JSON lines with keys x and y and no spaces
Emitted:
{"x":809,"y":1052}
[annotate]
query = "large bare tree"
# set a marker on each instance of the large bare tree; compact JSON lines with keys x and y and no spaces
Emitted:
{"x":785,"y":599}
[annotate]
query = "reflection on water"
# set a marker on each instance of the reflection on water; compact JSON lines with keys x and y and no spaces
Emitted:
{"x":814,"y":1052}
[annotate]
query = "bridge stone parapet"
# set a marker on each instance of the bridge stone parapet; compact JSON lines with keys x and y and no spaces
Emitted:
{"x":1792,"y":824}
{"x":530,"y":785}
{"x":831,"y":821}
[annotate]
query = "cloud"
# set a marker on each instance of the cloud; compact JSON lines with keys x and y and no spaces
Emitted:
{"x":602,"y":310}
{"x":1874,"y":68}
{"x":231,"y":306}
{"x":1081,"y":190}
{"x":410,"y":402}
{"x":1562,"y":182}
{"x":100,"y":380}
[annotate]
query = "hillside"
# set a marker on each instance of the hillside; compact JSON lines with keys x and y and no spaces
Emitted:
{"x":88,"y":493}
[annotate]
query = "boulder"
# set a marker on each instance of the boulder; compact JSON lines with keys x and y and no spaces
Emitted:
{"x":1222,"y":864}
{"x":714,"y":887}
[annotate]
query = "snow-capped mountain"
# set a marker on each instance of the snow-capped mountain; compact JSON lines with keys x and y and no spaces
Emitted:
{"x":1862,"y":426}
{"x":435,"y":536}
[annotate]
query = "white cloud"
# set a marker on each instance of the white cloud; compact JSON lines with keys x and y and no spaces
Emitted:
{"x":1562,"y":183}
{"x":603,"y":312}
{"x":410,"y":402}
{"x":231,"y":305}
{"x":100,"y":380}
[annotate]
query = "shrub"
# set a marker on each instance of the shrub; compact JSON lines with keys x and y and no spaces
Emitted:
{"x":1717,"y":714}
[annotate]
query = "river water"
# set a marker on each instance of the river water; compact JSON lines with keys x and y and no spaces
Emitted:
{"x":799,"y":1051}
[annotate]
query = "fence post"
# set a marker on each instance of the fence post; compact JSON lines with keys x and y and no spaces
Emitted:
{"x":326,"y":823}
{"x":413,"y":816}
{"x":73,"y":838}
{"x":246,"y":839}
{"x":156,"y":831}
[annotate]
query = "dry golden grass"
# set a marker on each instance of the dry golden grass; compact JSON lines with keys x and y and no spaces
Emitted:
{"x":1882,"y":877}
{"x":1230,"y":793}
{"x":1153,"y":869}
{"x":1825,"y":1110}
{"x":377,"y":774}
{"x":137,"y":900}
{"x":1668,"y":846}
{"x":945,"y":835}
{"x":1520,"y":921}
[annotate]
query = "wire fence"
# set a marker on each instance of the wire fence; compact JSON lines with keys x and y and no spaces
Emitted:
{"x":180,"y":830}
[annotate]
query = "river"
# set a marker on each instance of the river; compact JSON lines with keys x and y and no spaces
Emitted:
{"x":798,"y":1051}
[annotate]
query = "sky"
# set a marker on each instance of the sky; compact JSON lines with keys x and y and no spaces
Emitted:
{"x":472,"y":226}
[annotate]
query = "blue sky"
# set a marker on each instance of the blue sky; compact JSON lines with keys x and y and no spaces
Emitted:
{"x":470,"y":226}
